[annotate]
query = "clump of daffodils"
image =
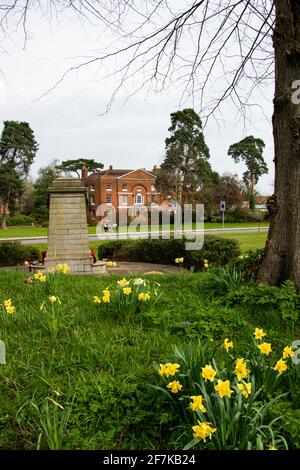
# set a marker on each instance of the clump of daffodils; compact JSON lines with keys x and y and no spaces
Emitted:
{"x":179,"y":260}
{"x":8,"y":306}
{"x":63,"y":268}
{"x":230,"y":388}
{"x":40,"y":276}
{"x":111,"y":264}
{"x":125,"y":299}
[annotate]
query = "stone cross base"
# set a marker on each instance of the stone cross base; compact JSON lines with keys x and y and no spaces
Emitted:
{"x":68,"y":241}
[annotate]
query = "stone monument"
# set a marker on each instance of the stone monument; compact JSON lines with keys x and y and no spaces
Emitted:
{"x":68,"y":241}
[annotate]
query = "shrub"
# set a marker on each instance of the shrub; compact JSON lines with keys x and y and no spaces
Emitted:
{"x":289,"y":424}
{"x":217,"y":251}
{"x":248,"y":264}
{"x":13,"y":253}
{"x":19,"y":219}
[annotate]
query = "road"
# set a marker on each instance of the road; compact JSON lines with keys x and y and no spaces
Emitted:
{"x":122,"y":236}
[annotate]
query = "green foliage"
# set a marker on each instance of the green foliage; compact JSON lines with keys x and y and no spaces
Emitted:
{"x":13,"y":253}
{"x":289,"y":423}
{"x":18,"y":148}
{"x":76,"y":379}
{"x":74,"y":166}
{"x":216,"y":250}
{"x":284,"y":301}
{"x":248,"y":264}
{"x":19,"y":219}
{"x":45,"y":178}
{"x":250,"y":151}
{"x":186,"y":153}
{"x":239,"y":421}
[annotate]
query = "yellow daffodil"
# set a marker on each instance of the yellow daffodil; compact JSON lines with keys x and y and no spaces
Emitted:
{"x":203,"y":431}
{"x":287,"y":352}
{"x":223,"y":388}
{"x":245,"y":388}
{"x":179,"y":260}
{"x":10,"y":309}
{"x":174,"y":386}
{"x":228,"y":344}
{"x":52,"y":298}
{"x":42,"y":278}
{"x":97,"y":299}
{"x":38,"y":275}
{"x":64,"y":268}
{"x":7,"y":303}
{"x":144,"y":296}
{"x":205,"y":263}
{"x":241,"y":370}
{"x":265,"y":348}
{"x":106,"y":296}
{"x":208,"y":373}
{"x":127,"y":290}
{"x":259,"y":333}
{"x":168,"y":369}
{"x":281,"y":366}
{"x":270,"y":447}
{"x":123,"y":282}
{"x":197,"y":403}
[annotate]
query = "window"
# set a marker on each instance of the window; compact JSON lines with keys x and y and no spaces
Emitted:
{"x":124,"y":200}
{"x":152,"y":187}
{"x":138,"y":188}
{"x":139,"y":199}
{"x":92,"y":200}
{"x":108,"y":187}
{"x":153,"y":197}
{"x":108,"y":199}
{"x":92,"y":188}
{"x":124,"y":187}
{"x":93,"y":214}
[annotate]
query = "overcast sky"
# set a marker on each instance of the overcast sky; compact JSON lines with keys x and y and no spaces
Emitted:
{"x":68,"y":122}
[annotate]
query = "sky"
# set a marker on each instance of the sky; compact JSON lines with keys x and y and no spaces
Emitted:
{"x":70,"y":121}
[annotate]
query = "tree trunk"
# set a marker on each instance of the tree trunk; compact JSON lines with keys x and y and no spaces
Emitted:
{"x":252,"y":184}
{"x":281,"y":260}
{"x":4,"y":216}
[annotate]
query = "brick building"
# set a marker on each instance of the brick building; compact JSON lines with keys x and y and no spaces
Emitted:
{"x":121,"y":190}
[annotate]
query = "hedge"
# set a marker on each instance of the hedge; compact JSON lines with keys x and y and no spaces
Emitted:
{"x":13,"y":253}
{"x":19,"y":219}
{"x":218,"y":251}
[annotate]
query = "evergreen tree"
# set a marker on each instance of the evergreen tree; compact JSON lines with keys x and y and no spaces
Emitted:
{"x":18,"y":149}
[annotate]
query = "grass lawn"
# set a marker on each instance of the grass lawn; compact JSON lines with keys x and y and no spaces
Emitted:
{"x":76,"y":378}
{"x":23,"y":232}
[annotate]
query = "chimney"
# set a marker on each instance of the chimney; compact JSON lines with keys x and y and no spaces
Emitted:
{"x":110,"y":167}
{"x":84,"y":175}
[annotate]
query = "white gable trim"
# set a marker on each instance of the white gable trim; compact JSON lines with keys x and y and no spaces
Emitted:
{"x":134,"y":171}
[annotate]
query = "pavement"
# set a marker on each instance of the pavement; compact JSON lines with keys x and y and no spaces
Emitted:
{"x":134,"y":235}
{"x":123,"y":268}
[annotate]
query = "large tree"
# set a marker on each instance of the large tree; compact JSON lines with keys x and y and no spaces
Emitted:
{"x":250,"y":151}
{"x":186,"y":151}
{"x":76,"y":166}
{"x":18,"y":149}
{"x":197,"y":45}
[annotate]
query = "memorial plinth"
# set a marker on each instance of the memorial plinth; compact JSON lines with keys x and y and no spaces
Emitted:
{"x":68,"y":241}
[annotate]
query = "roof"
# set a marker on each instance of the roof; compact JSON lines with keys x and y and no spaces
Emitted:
{"x":261,"y":199}
{"x":118,"y":172}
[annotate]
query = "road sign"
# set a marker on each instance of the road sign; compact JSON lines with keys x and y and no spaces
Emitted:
{"x":222,"y":206}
